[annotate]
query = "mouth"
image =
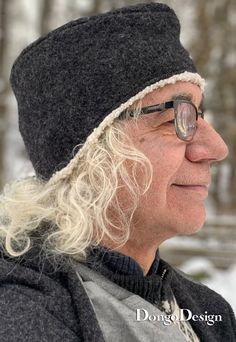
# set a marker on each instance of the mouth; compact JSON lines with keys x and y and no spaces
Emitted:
{"x":194,"y":186}
{"x":201,"y":189}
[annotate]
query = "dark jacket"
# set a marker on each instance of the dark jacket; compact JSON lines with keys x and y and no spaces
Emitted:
{"x":43,"y":302}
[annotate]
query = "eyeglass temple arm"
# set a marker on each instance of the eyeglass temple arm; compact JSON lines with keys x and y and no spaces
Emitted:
{"x":150,"y":109}
{"x":157,"y":108}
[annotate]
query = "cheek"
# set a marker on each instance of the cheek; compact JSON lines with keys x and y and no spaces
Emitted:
{"x":165,"y":169}
{"x":166,"y":154}
{"x":166,"y":162}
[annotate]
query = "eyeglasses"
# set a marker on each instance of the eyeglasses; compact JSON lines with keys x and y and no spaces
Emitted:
{"x":186,"y":116}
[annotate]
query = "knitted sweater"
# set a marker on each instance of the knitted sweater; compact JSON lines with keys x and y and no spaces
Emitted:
{"x":42,"y":299}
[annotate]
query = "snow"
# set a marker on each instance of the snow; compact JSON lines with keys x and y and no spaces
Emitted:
{"x":196,"y":265}
{"x":85,"y":5}
{"x":210,"y":255}
{"x":224,"y":220}
{"x":221,"y":281}
{"x":224,"y":282}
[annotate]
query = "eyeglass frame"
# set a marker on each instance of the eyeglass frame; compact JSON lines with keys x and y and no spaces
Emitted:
{"x":162,"y":107}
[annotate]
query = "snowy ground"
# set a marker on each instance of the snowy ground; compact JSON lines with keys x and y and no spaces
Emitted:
{"x":223,"y":282}
{"x":210,"y":255}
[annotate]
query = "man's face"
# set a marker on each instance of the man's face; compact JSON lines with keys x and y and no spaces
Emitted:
{"x":174,"y":204}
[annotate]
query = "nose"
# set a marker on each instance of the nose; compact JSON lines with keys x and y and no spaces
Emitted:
{"x":207,"y":144}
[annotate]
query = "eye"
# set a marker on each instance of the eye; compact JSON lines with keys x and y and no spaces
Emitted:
{"x":170,"y":121}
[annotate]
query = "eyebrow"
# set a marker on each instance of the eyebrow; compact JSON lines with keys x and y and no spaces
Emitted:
{"x":182,"y":96}
{"x":187,"y":97}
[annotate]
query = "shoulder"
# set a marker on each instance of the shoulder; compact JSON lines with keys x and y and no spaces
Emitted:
{"x":35,"y":305}
{"x":214,"y":316}
{"x":184,"y":284}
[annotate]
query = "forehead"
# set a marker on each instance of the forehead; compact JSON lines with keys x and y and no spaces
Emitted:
{"x":190,"y":91}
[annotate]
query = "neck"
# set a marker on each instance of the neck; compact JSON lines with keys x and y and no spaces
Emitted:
{"x":143,"y":256}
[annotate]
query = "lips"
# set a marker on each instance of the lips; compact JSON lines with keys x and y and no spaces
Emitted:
{"x":201,"y":188}
{"x":194,"y":186}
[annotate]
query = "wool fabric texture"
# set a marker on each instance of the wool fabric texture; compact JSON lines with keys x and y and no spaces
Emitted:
{"x":127,"y":273}
{"x":69,"y":81}
{"x":43,"y":301}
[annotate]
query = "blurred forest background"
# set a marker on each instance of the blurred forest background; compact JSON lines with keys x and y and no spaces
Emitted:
{"x":208,"y":31}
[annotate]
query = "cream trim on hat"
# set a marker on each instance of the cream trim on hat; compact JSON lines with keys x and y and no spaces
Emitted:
{"x":94,"y":136}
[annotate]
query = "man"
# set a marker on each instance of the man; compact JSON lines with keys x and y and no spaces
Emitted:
{"x":110,"y":110}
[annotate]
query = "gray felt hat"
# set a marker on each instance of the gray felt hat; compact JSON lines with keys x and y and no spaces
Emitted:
{"x":71,"y":84}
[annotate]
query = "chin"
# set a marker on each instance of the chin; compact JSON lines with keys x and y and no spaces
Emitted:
{"x":194,"y":226}
{"x":193,"y":229}
{"x":192,"y":223}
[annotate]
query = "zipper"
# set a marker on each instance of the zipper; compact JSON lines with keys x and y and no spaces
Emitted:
{"x":163,"y":273}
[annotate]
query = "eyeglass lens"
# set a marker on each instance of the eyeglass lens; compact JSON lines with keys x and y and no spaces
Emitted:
{"x":185,"y":120}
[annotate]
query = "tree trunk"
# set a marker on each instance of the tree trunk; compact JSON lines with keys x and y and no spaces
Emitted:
{"x":3,"y":88}
{"x":44,"y":22}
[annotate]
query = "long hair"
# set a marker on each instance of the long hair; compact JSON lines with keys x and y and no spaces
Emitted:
{"x":82,"y":209}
